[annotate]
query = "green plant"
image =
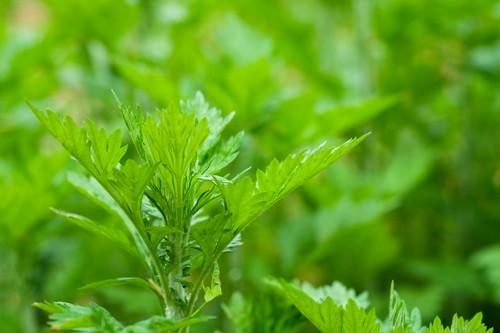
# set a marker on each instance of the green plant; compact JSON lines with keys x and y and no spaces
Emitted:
{"x":179,"y":213}
{"x":336,"y":309}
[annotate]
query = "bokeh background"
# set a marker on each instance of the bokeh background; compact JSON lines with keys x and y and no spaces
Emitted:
{"x":418,"y":203}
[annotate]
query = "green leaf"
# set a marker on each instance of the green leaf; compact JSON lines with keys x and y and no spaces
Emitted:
{"x":279,"y":178}
{"x":336,"y":291}
{"x":93,"y":190}
{"x":134,"y":119}
{"x":245,"y":199}
{"x":460,"y":325}
{"x":95,"y":319}
{"x":214,"y":290}
{"x":200,"y":108}
{"x":175,"y":140}
{"x":356,"y":320}
{"x":331,"y":317}
{"x":113,"y":234}
{"x":157,"y":233}
{"x":66,"y":316}
{"x":222,"y":155}
{"x":98,"y":152}
{"x":106,"y":150}
{"x":212,"y":235}
{"x":130,"y":182}
{"x":133,"y":281}
{"x":399,"y":318}
{"x":327,"y":315}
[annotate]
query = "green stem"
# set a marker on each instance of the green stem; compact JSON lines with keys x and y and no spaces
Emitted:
{"x":166,"y":300}
{"x":195,"y":293}
{"x":135,"y":216}
{"x":196,"y":289}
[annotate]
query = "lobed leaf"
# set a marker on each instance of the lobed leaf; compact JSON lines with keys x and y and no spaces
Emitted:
{"x":329,"y":316}
{"x":92,"y":318}
{"x":200,"y":108}
{"x":245,"y":199}
{"x":95,"y":319}
{"x":399,"y":318}
{"x":459,"y":325}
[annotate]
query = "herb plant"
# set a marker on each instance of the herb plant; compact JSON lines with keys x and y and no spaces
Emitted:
{"x":179,"y":211}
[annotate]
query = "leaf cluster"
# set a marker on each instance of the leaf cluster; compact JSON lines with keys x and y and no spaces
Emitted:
{"x":334,"y":314}
{"x":179,"y":213}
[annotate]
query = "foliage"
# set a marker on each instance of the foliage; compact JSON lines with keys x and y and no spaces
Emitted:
{"x":417,"y":204}
{"x":162,"y":199}
{"x":331,"y":314}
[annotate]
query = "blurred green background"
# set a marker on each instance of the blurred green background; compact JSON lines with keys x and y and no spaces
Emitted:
{"x":417,"y":203}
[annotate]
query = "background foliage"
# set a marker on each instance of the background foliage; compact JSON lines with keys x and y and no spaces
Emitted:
{"x":417,"y":203}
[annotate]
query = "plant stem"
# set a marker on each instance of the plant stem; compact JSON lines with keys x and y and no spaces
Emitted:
{"x":196,"y":289}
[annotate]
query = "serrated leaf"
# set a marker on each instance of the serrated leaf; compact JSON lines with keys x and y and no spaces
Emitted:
{"x":279,"y":178}
{"x":130,"y":182}
{"x":327,"y":315}
{"x":157,"y":233}
{"x":97,"y":151}
{"x":65,"y":130}
{"x":134,"y":119}
{"x":356,"y":320}
{"x":399,"y":318}
{"x":222,"y":155}
{"x":93,"y":318}
{"x":175,"y":139}
{"x":459,"y":325}
{"x":212,"y":235}
{"x":106,"y":150}
{"x":336,"y":291}
{"x":199,"y":107}
{"x":245,"y":199}
{"x":100,"y":154}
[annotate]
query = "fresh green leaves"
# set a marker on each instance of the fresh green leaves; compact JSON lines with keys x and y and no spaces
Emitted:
{"x":96,"y":319}
{"x":160,"y":200}
{"x":67,"y":316}
{"x":328,"y":314}
{"x":98,"y":152}
{"x":459,"y":325}
{"x":333,"y":314}
{"x":246,"y":199}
